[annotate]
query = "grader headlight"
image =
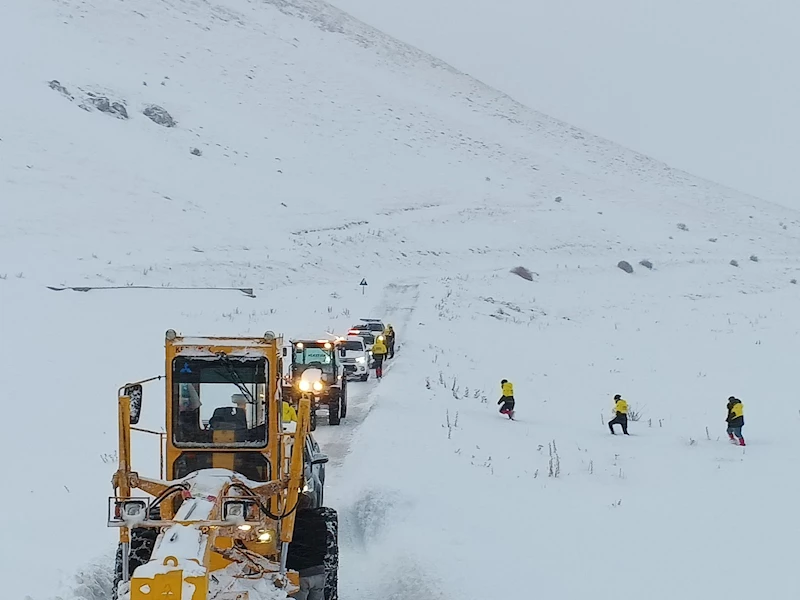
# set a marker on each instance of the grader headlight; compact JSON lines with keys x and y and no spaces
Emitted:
{"x":304,"y":385}
{"x":318,"y":385}
{"x":235,"y":511}
{"x":265,"y":536}
{"x":128,"y":512}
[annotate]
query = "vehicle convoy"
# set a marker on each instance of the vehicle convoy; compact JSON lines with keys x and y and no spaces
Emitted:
{"x":313,"y":368}
{"x":355,"y":357}
{"x":218,"y":522}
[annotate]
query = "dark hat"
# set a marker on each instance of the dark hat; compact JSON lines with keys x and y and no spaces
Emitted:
{"x":617,"y":397}
{"x":504,"y":381}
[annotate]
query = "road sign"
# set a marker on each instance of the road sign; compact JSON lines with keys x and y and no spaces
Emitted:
{"x":363,"y":285}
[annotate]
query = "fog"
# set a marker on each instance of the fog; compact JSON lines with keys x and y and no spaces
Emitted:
{"x":710,"y":87}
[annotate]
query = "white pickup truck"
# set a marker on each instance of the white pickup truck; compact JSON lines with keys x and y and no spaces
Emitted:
{"x":355,"y":357}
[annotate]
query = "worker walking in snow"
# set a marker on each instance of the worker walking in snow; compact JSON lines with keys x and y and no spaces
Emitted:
{"x":621,"y":415}
{"x":379,"y":351}
{"x":507,"y":399}
{"x":306,"y":553}
{"x":389,"y":334}
{"x":735,"y":420}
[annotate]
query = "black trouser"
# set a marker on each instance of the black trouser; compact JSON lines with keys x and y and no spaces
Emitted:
{"x":391,"y":346}
{"x":379,"y":364}
{"x":508,"y":403}
{"x":620,"y":419}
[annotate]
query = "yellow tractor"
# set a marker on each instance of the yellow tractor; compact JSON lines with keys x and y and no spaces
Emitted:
{"x":221,"y":522}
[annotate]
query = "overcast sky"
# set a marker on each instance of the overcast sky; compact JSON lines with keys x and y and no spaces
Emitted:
{"x":709,"y":86}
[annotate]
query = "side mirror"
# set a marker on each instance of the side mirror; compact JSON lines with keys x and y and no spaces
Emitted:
{"x":319,"y":459}
{"x":134,"y":392}
{"x":343,"y":353}
{"x":286,"y":352}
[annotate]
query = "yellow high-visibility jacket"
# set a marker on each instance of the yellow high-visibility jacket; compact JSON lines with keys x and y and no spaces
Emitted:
{"x":379,"y":347}
{"x":621,"y":407}
{"x":289,"y":413}
{"x":508,"y":389}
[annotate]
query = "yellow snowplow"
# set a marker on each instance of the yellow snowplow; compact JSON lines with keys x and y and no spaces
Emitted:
{"x":218,"y":522}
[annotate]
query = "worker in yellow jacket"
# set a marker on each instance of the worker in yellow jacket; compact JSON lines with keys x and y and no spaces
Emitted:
{"x":621,"y":418}
{"x":289,"y":413}
{"x":507,"y":399}
{"x":379,"y":351}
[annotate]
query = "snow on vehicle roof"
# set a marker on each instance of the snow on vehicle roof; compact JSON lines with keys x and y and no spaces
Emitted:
{"x":222,"y":341}
{"x":249,"y":352}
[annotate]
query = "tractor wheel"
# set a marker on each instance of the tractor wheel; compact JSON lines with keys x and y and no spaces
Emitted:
{"x":313,"y":424}
{"x":334,"y":411}
{"x":331,"y":553}
{"x":143,"y":541}
{"x":344,"y":404}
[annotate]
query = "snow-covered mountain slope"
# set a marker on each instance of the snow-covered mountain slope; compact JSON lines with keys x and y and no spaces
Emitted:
{"x":329,"y":153}
{"x":708,"y":88}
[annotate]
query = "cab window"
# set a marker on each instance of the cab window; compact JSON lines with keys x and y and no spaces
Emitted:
{"x":219,"y":402}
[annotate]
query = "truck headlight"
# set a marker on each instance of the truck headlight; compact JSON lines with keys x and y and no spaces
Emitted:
{"x":265,"y":536}
{"x":361,"y":360}
{"x":318,"y":386}
{"x":304,"y":385}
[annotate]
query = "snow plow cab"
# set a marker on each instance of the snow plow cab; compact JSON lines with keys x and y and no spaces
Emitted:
{"x":218,"y":522}
{"x":315,"y":368}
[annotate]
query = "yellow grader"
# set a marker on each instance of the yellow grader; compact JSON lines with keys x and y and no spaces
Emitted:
{"x":218,"y":523}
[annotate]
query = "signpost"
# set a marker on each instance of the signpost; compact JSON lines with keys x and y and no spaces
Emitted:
{"x":363,"y":285}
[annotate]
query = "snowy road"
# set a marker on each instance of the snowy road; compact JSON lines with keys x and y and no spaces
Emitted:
{"x":396,"y":308}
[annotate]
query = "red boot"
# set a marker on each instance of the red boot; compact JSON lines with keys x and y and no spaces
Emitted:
{"x":730,"y":437}
{"x":741,"y":442}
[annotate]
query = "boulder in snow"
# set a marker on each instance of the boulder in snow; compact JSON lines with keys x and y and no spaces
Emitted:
{"x":159,"y":115}
{"x":625,"y":266}
{"x":646,"y":264}
{"x":734,"y":263}
{"x":110,"y":107}
{"x":56,"y":85}
{"x":523,"y":272}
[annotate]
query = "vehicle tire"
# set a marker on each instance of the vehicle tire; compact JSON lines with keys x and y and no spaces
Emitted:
{"x":143,"y":541}
{"x":364,"y":377}
{"x":334,"y":411}
{"x":343,"y":411}
{"x":313,"y":420}
{"x":331,"y":553}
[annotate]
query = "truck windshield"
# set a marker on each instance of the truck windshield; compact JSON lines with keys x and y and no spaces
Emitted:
{"x":313,"y":356}
{"x":219,"y":401}
{"x":353,"y":346}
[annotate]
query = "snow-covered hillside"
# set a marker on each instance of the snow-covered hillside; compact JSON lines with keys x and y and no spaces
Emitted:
{"x":327,"y":153}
